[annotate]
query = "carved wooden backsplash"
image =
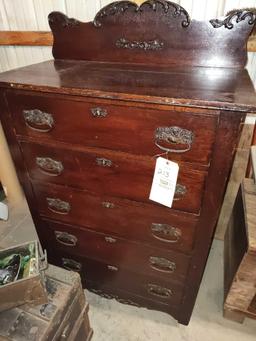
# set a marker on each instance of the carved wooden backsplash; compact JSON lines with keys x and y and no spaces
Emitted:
{"x":136,"y":34}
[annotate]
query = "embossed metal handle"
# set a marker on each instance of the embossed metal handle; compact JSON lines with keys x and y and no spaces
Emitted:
{"x":166,"y":233}
{"x":99,"y":112}
{"x":107,"y":204}
{"x":174,"y":136}
{"x":112,"y":268}
{"x":38,"y":120}
{"x":103,"y":162}
{"x":66,"y":238}
{"x":49,"y":166}
{"x":58,"y":206}
{"x":180,"y":192}
{"x":110,"y":240}
{"x":71,"y":265}
{"x":162,"y":264}
{"x":159,"y":291}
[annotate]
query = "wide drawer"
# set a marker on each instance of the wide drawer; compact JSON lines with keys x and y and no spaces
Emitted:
{"x":156,"y":225}
{"x":188,"y":133}
{"x":110,"y":275}
{"x":137,"y":257}
{"x":110,"y":173}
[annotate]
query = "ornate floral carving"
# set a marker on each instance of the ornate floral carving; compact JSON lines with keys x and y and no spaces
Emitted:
{"x":120,"y":7}
{"x":49,"y":165}
{"x":162,"y":264}
{"x":180,"y":191}
{"x":166,"y":232}
{"x":236,"y":16}
{"x":153,"y":45}
{"x":58,"y":205}
{"x":37,"y":118}
{"x":62,"y":19}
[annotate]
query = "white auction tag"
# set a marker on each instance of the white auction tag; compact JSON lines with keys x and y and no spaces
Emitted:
{"x":164,"y":182}
{"x":3,"y":211}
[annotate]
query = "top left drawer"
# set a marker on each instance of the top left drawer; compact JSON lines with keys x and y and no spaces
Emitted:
{"x":187,"y":134}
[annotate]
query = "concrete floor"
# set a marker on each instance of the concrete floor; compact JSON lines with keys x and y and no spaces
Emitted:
{"x":113,"y":321}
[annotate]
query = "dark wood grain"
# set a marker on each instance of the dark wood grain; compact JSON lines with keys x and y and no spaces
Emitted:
{"x":80,"y":170}
{"x":128,"y":281}
{"x":139,"y":85}
{"x":221,"y":88}
{"x":115,"y":251}
{"x":127,"y":219}
{"x":75,"y":122}
{"x":162,"y":22}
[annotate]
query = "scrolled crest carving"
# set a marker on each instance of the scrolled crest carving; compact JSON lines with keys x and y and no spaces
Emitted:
{"x":234,"y":17}
{"x":62,"y":19}
{"x":120,"y":7}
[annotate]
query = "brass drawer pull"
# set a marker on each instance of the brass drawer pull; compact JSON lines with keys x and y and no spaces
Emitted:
{"x":159,"y":291}
{"x":49,"y":166}
{"x":71,"y":265}
{"x":180,"y":192}
{"x":103,"y":162}
{"x":162,"y":264}
{"x":110,"y":240}
{"x":38,"y":120}
{"x":166,"y":233}
{"x":99,"y":112}
{"x":112,"y":268}
{"x":106,"y":204}
{"x":65,"y":238}
{"x":58,"y":206}
{"x":174,"y":135}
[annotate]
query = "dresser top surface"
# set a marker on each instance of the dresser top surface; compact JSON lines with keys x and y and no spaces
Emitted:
{"x":221,"y":88}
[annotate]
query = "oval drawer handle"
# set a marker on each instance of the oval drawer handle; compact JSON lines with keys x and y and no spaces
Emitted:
{"x":159,"y":291}
{"x":106,"y":204}
{"x":103,"y":162}
{"x":99,"y":112}
{"x":162,"y":264}
{"x":180,"y":192}
{"x":49,"y":166}
{"x":110,"y":240}
{"x":58,"y":206}
{"x":112,"y":268}
{"x":174,"y":135}
{"x":38,"y":120}
{"x":66,"y":238}
{"x":166,"y":233}
{"x":71,"y":265}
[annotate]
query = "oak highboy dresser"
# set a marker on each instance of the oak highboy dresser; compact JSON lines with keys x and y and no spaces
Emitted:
{"x":85,"y":129}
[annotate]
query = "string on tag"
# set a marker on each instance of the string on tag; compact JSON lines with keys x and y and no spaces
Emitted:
{"x":159,"y":155}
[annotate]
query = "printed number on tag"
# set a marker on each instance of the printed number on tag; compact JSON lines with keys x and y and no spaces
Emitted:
{"x":164,"y":182}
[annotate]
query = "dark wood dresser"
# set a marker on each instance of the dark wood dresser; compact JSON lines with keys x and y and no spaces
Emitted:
{"x":85,"y":130}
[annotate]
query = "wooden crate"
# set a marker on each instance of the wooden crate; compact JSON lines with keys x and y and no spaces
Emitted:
{"x":240,"y":256}
{"x":65,"y":317}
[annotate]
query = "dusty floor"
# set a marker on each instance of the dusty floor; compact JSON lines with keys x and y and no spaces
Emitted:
{"x":113,"y":321}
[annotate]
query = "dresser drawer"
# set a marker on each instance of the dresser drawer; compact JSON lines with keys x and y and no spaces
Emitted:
{"x":156,"y":225}
{"x":133,"y":256}
{"x":189,"y":134}
{"x":111,"y":275}
{"x":110,"y":173}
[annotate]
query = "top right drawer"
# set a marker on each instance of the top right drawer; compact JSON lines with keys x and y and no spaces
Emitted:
{"x":187,"y":134}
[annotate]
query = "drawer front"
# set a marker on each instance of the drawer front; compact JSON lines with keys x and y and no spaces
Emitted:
{"x":110,"y":173}
{"x":186,"y":134}
{"x":158,"y":226}
{"x":110,"y":275}
{"x":133,"y":256}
